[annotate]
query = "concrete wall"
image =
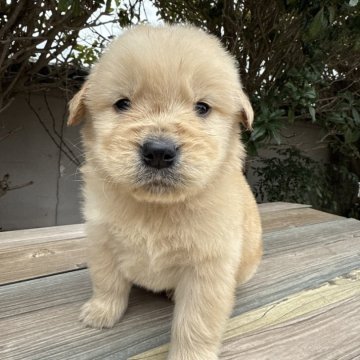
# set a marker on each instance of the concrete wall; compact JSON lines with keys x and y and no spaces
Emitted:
{"x":29,"y":154}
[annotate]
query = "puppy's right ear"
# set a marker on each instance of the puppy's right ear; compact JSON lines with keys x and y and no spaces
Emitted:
{"x":77,"y":109}
{"x":247,"y":112}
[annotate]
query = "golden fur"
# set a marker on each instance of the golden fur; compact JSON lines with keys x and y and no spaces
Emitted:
{"x":195,"y":229}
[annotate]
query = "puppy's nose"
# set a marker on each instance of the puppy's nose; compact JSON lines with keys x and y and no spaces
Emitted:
{"x":159,"y":154}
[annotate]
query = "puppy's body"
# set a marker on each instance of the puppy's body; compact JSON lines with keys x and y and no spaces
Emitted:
{"x":192,"y":226}
{"x":153,"y":243}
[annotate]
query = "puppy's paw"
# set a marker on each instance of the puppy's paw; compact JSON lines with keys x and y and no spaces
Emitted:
{"x":186,"y":354}
{"x":98,"y":313}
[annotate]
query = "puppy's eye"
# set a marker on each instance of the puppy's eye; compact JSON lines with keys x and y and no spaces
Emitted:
{"x":202,"y":109}
{"x":122,"y":104}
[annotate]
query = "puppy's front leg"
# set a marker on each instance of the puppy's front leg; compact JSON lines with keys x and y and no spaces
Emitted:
{"x":110,"y":288}
{"x":203,"y":302}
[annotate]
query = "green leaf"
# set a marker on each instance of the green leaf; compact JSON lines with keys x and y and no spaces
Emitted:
{"x":108,"y":7}
{"x":276,"y":137}
{"x":351,"y":136}
{"x":332,"y":11}
{"x":291,"y":115}
{"x":312,"y":113}
{"x":291,"y":86}
{"x":310,"y":94}
{"x":317,"y":25}
{"x":356,"y":116}
{"x":257,"y":133}
{"x":64,"y":5}
{"x":76,"y":7}
{"x":124,"y":18}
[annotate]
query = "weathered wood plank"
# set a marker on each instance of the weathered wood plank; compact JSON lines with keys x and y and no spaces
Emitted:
{"x":283,"y":219}
{"x":26,"y":254}
{"x":278,"y":206}
{"x":300,"y":258}
{"x":331,"y":332}
{"x":38,"y":318}
{"x":31,"y":261}
{"x":297,"y":238}
{"x":296,"y":307}
{"x":9,"y":239}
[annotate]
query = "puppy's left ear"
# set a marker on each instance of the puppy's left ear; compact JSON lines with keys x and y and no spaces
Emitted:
{"x":246,"y":115}
{"x":77,"y":108}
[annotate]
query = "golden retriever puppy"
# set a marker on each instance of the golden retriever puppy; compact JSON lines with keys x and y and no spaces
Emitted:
{"x":166,"y":204}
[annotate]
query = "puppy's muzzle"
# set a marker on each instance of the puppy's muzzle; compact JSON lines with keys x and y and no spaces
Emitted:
{"x":159,"y":153}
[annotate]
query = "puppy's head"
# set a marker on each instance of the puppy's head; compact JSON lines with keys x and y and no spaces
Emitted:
{"x":162,"y":108}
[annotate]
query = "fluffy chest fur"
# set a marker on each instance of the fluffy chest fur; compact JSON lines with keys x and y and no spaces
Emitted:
{"x":154,"y":243}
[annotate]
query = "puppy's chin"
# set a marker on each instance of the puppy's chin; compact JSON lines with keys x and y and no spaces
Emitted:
{"x":159,"y":193}
{"x":158,"y":185}
{"x":160,"y":189}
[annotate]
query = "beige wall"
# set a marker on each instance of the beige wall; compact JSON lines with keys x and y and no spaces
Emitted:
{"x":29,"y":154}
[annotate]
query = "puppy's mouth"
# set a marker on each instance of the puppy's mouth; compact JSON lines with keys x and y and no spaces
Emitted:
{"x":158,"y":180}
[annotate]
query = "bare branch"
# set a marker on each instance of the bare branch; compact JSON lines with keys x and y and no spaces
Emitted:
{"x":57,"y":144}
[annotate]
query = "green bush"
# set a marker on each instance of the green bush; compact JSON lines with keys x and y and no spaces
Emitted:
{"x":291,"y":176}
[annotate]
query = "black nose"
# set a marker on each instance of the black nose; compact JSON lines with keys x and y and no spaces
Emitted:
{"x":159,"y":154}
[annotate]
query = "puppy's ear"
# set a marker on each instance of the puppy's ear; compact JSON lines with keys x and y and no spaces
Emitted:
{"x":246,"y":116}
{"x":77,"y":109}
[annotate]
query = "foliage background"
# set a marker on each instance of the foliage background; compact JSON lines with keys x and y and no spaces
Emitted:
{"x":298,"y":60}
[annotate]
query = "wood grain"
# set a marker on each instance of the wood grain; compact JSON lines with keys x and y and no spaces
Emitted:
{"x":283,"y":219}
{"x":331,"y":332}
{"x":31,"y":261}
{"x":11,"y":239}
{"x":38,"y":318}
{"x":296,"y":307}
{"x":27,"y":254}
{"x":279,"y":205}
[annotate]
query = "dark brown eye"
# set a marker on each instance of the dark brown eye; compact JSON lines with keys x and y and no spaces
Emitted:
{"x":202,"y":109}
{"x":122,"y":105}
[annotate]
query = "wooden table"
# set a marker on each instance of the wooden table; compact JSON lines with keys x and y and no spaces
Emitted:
{"x":304,"y":302}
